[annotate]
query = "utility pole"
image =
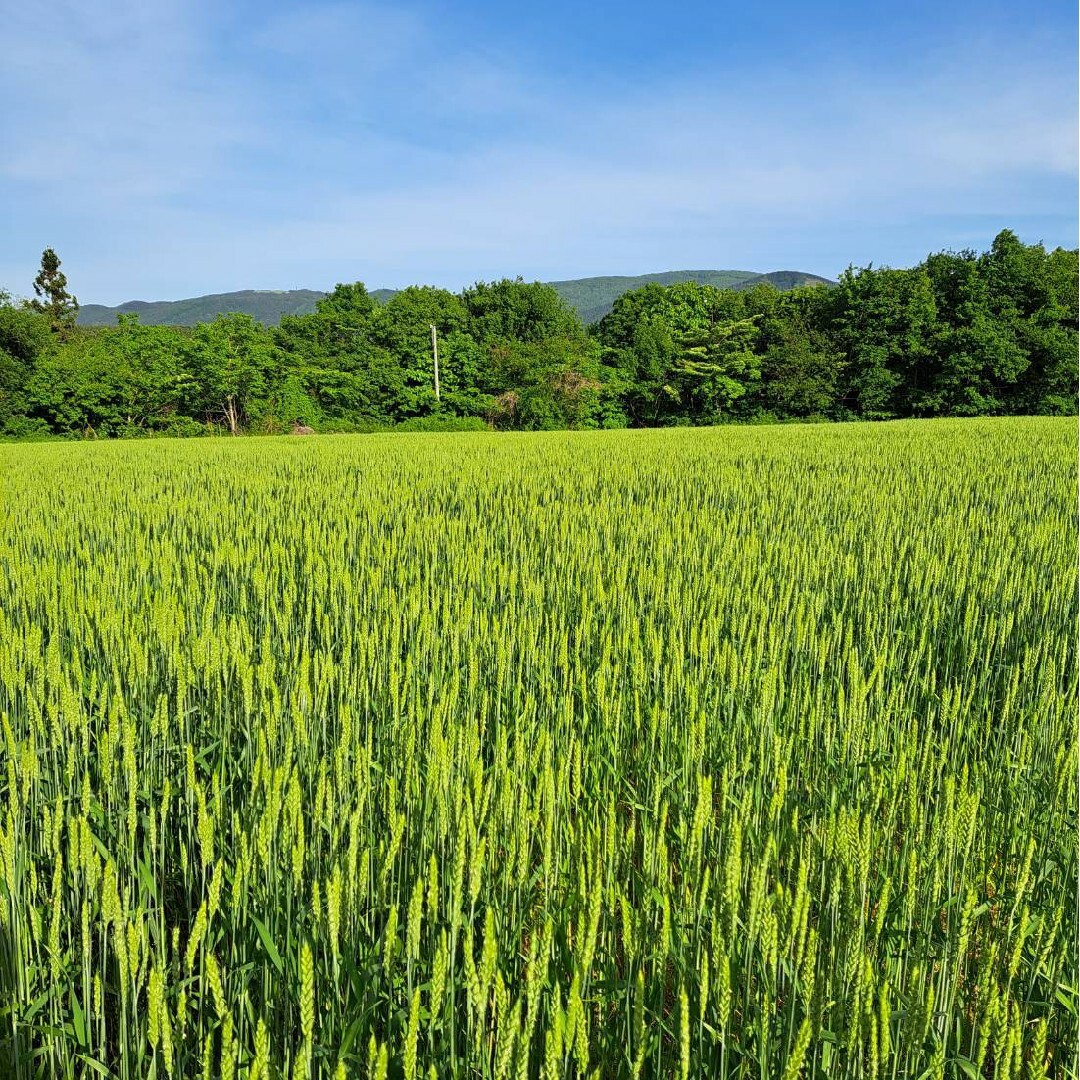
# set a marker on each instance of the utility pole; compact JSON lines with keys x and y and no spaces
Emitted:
{"x":435,"y":354}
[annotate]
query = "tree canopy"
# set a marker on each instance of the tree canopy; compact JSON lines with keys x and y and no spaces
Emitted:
{"x":51,"y":296}
{"x":961,"y":334}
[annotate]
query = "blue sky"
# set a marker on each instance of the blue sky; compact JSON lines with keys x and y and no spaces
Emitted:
{"x":168,"y":149}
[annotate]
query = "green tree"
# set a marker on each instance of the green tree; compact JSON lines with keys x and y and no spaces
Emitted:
{"x":402,"y":327}
{"x":330,"y":359}
{"x":550,"y":384}
{"x":976,"y":357}
{"x":718,"y":368}
{"x":232,"y":368}
{"x":644,"y":338}
{"x":1032,"y":294}
{"x":801,"y":366}
{"x":81,"y":385}
{"x":516,"y":310}
{"x":348,"y":308}
{"x":52,"y":296}
{"x":155,"y":363}
{"x":885,"y":323}
{"x":24,"y":336}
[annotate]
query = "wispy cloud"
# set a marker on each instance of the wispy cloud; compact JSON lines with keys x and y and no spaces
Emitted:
{"x":613,"y":187}
{"x":167,"y":150}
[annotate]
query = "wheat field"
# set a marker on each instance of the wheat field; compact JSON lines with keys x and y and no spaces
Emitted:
{"x":743,"y":752}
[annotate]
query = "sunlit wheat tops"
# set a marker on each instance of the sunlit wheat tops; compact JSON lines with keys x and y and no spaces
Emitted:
{"x":742,"y":753}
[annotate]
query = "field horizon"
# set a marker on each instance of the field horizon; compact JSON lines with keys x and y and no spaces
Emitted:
{"x":733,"y":752}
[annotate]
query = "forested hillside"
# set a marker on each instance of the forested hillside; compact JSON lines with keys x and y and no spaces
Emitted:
{"x":592,"y":298}
{"x":961,"y":334}
{"x":266,"y":306}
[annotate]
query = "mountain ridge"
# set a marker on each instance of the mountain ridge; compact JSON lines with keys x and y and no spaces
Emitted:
{"x":591,"y":297}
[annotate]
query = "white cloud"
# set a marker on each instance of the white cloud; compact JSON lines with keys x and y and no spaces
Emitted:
{"x":691,"y":164}
{"x":344,"y":140}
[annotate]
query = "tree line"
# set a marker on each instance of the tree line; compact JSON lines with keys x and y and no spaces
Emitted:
{"x":961,"y":334}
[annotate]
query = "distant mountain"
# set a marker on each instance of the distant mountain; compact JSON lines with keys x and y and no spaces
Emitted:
{"x":265,"y":306}
{"x":592,"y":297}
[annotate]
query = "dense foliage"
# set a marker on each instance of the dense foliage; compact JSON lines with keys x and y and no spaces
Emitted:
{"x":958,"y":335}
{"x":743,"y":752}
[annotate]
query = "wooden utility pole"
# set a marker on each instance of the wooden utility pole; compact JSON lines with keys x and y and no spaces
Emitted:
{"x":435,"y":354}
